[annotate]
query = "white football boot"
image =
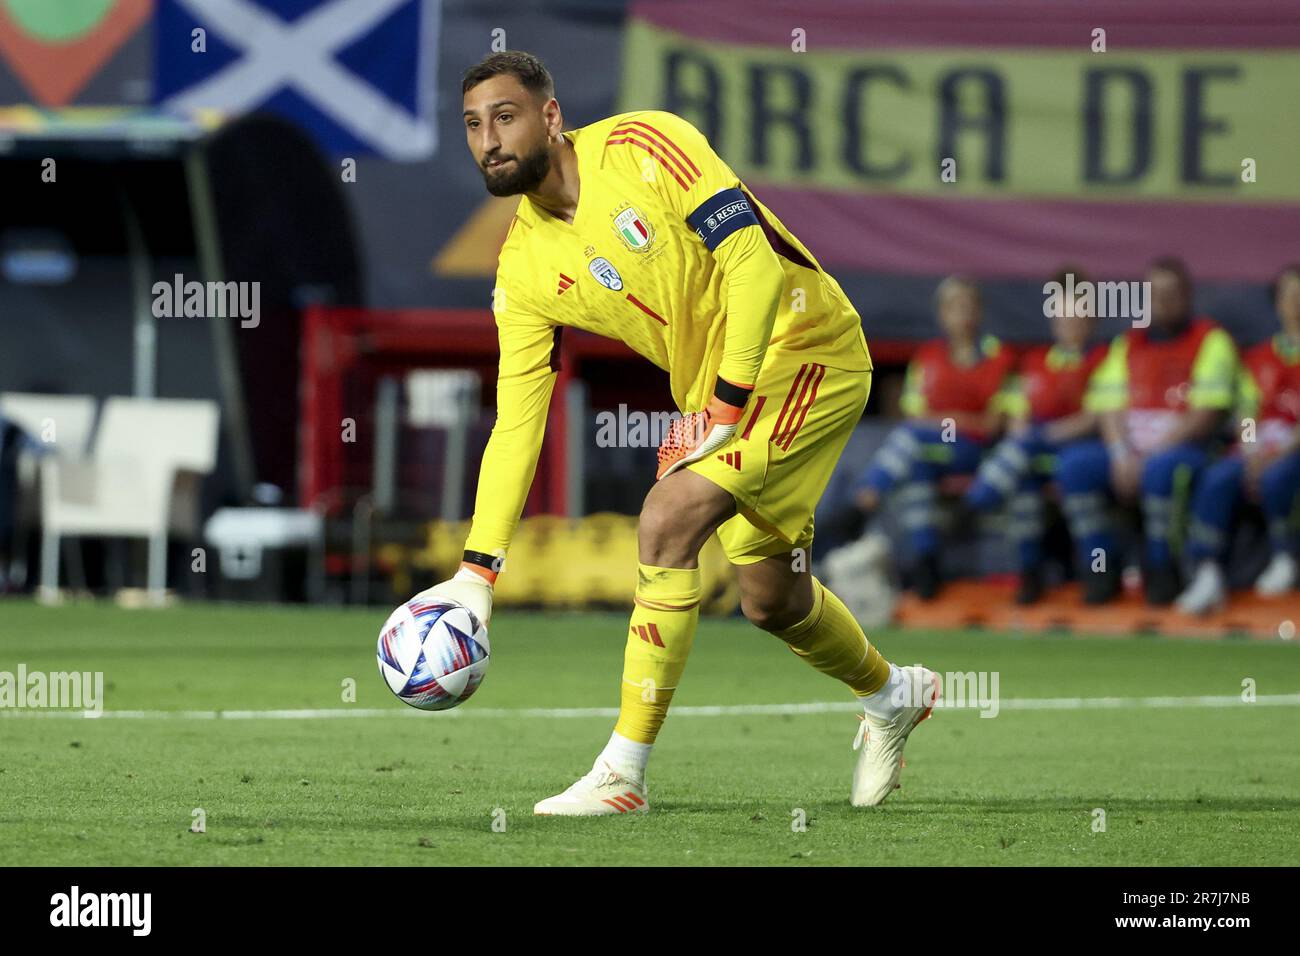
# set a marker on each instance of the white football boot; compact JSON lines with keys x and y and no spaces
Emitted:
{"x":880,"y":743}
{"x":603,"y":791}
{"x":1279,"y":577}
{"x":1207,"y":592}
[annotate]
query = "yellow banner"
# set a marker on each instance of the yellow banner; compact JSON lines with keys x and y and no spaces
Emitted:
{"x":985,"y":122}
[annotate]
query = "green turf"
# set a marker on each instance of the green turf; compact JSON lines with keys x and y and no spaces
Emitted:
{"x":1179,"y":786}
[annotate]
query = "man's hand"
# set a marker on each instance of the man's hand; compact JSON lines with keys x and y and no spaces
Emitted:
{"x":1126,"y":474}
{"x":698,"y":435}
{"x":471,"y":587}
{"x":1022,"y":429}
{"x":1255,"y":464}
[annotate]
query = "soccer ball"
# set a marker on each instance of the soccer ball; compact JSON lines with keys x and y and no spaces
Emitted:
{"x":433,"y":653}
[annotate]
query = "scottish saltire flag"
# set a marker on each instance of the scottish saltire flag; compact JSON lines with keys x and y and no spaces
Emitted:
{"x":358,"y":75}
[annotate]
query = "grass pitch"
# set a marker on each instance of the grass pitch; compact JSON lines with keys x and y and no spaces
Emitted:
{"x":1179,"y":783}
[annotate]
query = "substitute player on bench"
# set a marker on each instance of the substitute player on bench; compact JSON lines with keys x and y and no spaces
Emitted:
{"x":1162,"y":394}
{"x":1264,"y":466}
{"x":953,"y":399}
{"x":1046,"y":407}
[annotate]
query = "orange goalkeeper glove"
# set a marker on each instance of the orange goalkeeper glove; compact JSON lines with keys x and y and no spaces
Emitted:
{"x":700,"y":434}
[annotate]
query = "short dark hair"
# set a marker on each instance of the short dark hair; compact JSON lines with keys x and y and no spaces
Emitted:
{"x":955,"y":283}
{"x":524,"y":67}
{"x":1290,"y":270}
{"x":1067,"y":270}
{"x":1174,"y":266}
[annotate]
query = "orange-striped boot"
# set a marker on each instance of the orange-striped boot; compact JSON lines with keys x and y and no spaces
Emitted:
{"x":601,"y":792}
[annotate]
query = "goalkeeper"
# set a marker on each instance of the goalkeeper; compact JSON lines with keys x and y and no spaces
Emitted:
{"x":633,"y":228}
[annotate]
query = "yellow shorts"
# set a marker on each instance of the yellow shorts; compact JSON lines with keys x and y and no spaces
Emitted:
{"x":795,"y":426}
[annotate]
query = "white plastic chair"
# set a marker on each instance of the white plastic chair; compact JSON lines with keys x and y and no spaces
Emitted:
{"x":62,"y":422}
{"x":62,"y":425}
{"x":142,"y":480}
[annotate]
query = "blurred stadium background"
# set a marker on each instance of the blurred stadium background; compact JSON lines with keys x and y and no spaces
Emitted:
{"x":326,"y":450}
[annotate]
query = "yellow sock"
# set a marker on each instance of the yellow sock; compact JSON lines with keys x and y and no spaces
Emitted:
{"x":659,"y":640}
{"x":830,"y":639}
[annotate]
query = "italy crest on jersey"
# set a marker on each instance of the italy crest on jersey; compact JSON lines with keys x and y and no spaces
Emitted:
{"x":634,"y":229}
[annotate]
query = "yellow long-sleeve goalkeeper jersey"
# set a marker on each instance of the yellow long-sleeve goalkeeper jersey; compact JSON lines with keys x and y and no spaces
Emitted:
{"x":668,"y":252}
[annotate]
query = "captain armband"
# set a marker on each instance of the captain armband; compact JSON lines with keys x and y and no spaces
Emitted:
{"x":720,"y":215}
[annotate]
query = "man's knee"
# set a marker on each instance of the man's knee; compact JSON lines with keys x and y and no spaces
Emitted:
{"x":1158,"y":474}
{"x":1162,"y":470}
{"x":1281,"y":479}
{"x":1082,"y":468}
{"x":772,"y":611}
{"x":678,"y":518}
{"x":664,"y":539}
{"x":654,"y":527}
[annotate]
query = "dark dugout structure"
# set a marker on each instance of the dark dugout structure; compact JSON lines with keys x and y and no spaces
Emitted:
{"x":97,"y":208}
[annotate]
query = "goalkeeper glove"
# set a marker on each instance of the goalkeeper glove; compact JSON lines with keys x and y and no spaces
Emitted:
{"x":470,"y":586}
{"x":700,"y":434}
